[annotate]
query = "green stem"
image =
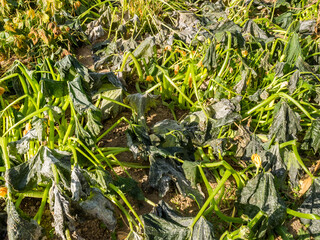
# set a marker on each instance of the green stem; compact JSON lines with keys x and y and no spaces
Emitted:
{"x":211,"y":197}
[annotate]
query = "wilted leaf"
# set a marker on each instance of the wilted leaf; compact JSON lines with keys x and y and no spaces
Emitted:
{"x":251,"y":28}
{"x":140,"y":103}
{"x":79,"y":185}
{"x":60,"y":207}
{"x":191,"y":172}
{"x":100,"y":207}
{"x":109,"y":109}
{"x":312,"y":137}
{"x":293,"y":167}
{"x":38,"y":170}
{"x":163,"y":171}
{"x":129,"y":186}
{"x":210,"y":61}
{"x":293,"y":82}
{"x":164,"y":223}
{"x":285,"y":125}
{"x":311,"y":205}
{"x":293,"y":49}
{"x":261,"y":194}
{"x":20,"y":228}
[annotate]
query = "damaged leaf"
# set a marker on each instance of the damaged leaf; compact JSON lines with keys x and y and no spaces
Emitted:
{"x":285,"y":125}
{"x":164,"y":223}
{"x":260,"y":194}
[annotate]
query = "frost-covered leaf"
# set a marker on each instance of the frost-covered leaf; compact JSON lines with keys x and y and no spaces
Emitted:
{"x":100,"y":178}
{"x":311,"y":205}
{"x":21,"y":146}
{"x":164,"y":223}
{"x":260,"y":194}
{"x":96,"y":33}
{"x":94,"y":122}
{"x":307,"y":27}
{"x":79,"y":98}
{"x":20,"y":228}
{"x":275,"y":163}
{"x":173,"y":138}
{"x":293,"y":167}
{"x":60,"y":207}
{"x":312,"y":137}
{"x":163,"y":171}
{"x":38,"y":170}
{"x":141,"y":103}
{"x":251,"y":28}
{"x":79,"y":185}
{"x":285,"y":125}
{"x":293,"y":82}
{"x":100,"y":207}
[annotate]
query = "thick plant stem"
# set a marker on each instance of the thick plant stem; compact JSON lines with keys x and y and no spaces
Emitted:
{"x":211,"y":197}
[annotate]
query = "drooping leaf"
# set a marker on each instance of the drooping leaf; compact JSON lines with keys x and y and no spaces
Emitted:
{"x":285,"y":125}
{"x":191,"y":172}
{"x":38,"y":170}
{"x":94,"y":122}
{"x":210,"y":61}
{"x":311,"y":205}
{"x":251,"y":28}
{"x":60,"y":206}
{"x":129,"y":186}
{"x":260,"y":194}
{"x":20,"y":228}
{"x":293,"y":49}
{"x":140,"y":103}
{"x":293,"y":167}
{"x":312,"y":137}
{"x":163,"y":171}
{"x":100,"y":207}
{"x":109,"y":109}
{"x":79,"y":185}
{"x":293,"y":82}
{"x":164,"y":223}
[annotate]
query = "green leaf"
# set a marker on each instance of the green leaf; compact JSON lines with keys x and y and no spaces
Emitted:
{"x":285,"y":125}
{"x":210,"y":61}
{"x":129,"y":186}
{"x":293,"y":49}
{"x":191,"y":172}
